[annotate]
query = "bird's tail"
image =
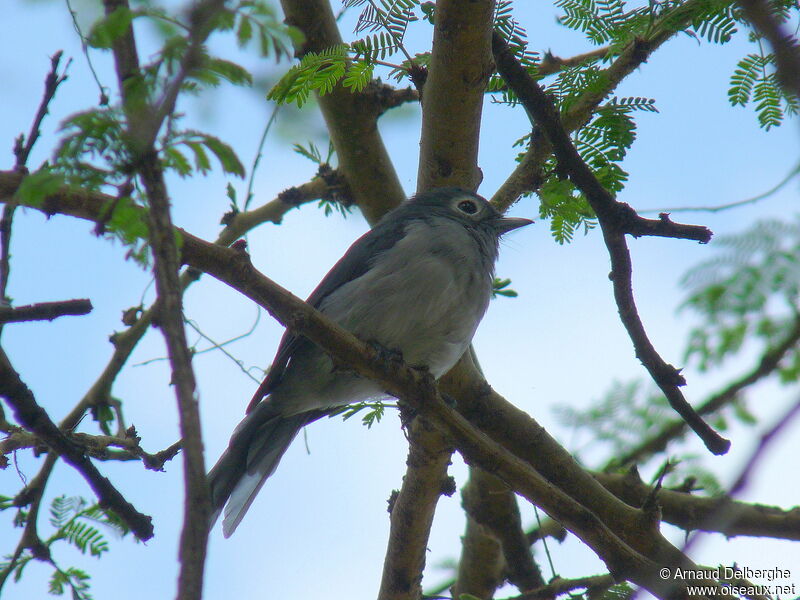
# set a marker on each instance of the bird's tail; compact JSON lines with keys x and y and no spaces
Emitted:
{"x":254,"y":452}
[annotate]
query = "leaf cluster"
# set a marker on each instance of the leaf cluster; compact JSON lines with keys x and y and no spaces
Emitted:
{"x":77,"y":523}
{"x":603,"y":143}
{"x":353,"y":64}
{"x":517,"y":39}
{"x":755,"y":82}
{"x":749,"y":292}
{"x":375,"y":411}
{"x":500,"y":288}
{"x":631,"y":412}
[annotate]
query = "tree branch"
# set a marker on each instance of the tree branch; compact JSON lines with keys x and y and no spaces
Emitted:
{"x":97,"y":447}
{"x":44,"y":311}
{"x":460,"y":66}
{"x":31,"y":496}
{"x":412,"y":512}
{"x":351,"y":118}
{"x":616,"y":219}
{"x":480,"y":566}
{"x":767,"y":363}
{"x":144,"y":122}
{"x":787,"y":53}
{"x":33,"y":417}
{"x":24,"y":145}
{"x":691,"y":512}
{"x":601,"y":518}
{"x":22,"y":150}
{"x":490,"y":503}
{"x":559,"y":586}
{"x":327,"y":184}
{"x":89,"y":205}
{"x":528,"y":175}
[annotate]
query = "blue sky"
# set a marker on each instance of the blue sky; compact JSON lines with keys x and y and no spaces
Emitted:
{"x":319,"y":525}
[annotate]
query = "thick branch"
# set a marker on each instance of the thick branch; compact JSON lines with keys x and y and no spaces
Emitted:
{"x":352,"y":119}
{"x":44,"y":311}
{"x":480,"y":566}
{"x":451,"y":115}
{"x":489,"y":502}
{"x":412,"y":512}
{"x":718,"y":514}
{"x":460,"y":66}
{"x":33,"y":417}
{"x":616,"y":219}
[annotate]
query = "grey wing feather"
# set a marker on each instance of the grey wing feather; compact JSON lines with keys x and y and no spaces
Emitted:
{"x":355,"y":262}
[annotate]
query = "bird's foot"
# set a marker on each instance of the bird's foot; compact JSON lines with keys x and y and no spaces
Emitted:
{"x":389,"y":355}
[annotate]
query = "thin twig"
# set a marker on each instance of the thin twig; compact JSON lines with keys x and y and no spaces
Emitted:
{"x":764,"y":442}
{"x":251,"y":180}
{"x":51,"y":83}
{"x":144,"y":122}
{"x":31,"y":496}
{"x":22,"y":150}
{"x":765,"y":365}
{"x":85,"y":47}
{"x":728,"y":206}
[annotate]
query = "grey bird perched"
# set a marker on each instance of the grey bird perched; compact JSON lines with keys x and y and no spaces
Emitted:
{"x":418,"y":283}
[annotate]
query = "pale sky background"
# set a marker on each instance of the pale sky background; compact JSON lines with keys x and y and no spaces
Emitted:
{"x":318,"y":528}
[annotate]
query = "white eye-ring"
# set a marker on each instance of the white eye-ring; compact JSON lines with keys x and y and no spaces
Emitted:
{"x":467,"y":207}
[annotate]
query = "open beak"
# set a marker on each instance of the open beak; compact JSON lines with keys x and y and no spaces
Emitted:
{"x":506,"y":224}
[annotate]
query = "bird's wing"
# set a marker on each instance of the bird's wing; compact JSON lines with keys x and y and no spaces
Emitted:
{"x":355,"y":262}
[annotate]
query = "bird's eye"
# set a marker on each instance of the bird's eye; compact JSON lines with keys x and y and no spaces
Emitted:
{"x":468,"y":207}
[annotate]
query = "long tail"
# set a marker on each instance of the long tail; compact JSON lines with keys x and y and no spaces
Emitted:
{"x":254,"y":452}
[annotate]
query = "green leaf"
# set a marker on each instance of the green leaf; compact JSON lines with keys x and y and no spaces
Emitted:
{"x":245,"y":31}
{"x":225,"y":155}
{"x":500,"y":288}
{"x":316,"y":71}
{"x":358,"y":75}
{"x":108,"y":29}
{"x":37,"y":186}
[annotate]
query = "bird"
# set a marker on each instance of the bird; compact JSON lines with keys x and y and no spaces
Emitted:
{"x":417,"y":285}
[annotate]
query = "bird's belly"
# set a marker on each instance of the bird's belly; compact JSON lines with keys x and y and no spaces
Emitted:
{"x":429,"y":318}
